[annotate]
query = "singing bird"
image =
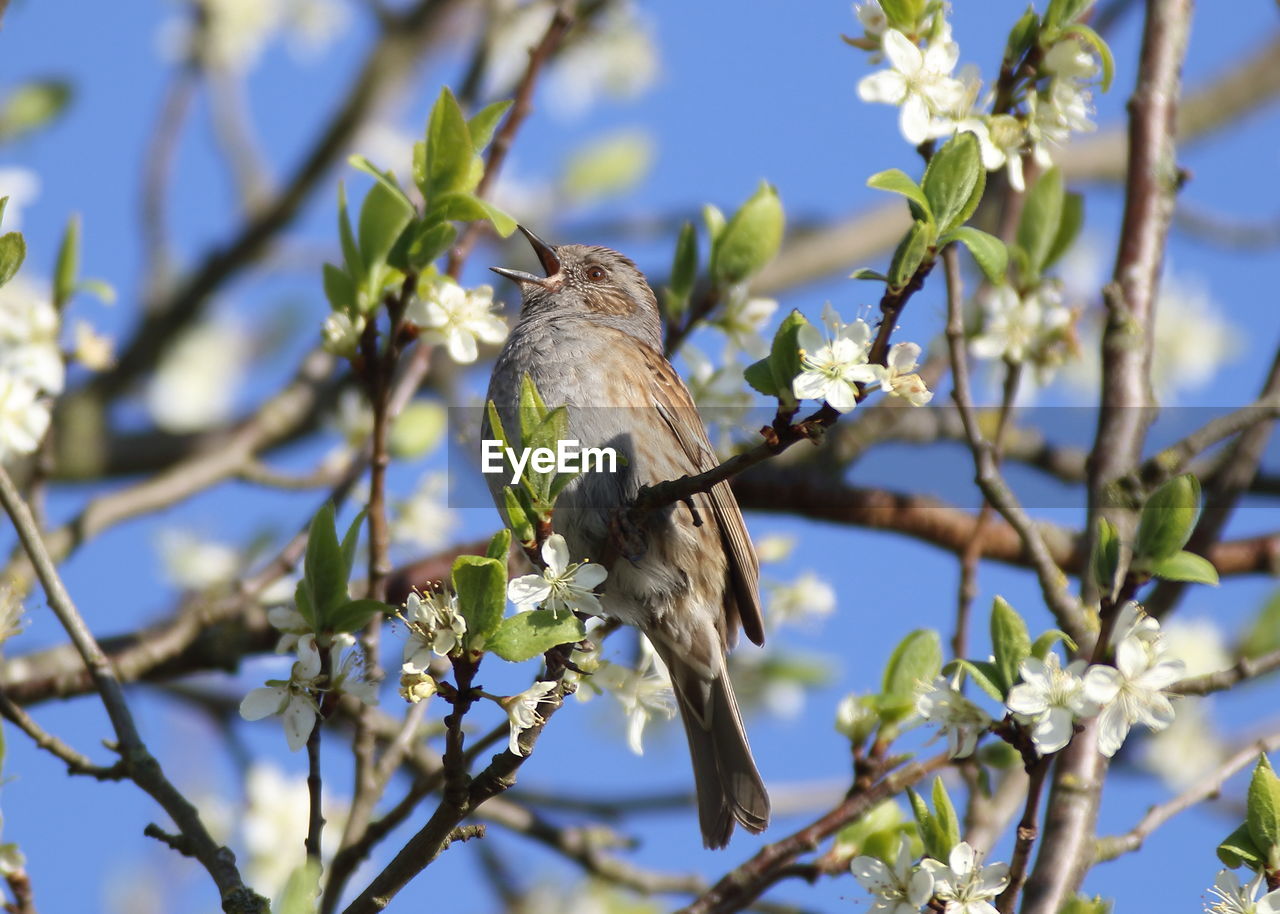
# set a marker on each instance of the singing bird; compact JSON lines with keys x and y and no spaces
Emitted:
{"x":590,"y":337}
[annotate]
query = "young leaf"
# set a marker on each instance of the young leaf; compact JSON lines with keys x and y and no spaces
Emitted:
{"x":323,"y":567}
{"x":449,"y":149}
{"x":67,"y":272}
{"x":1185,"y":566}
{"x":339,"y":289}
{"x":484,"y":123}
{"x":385,"y":178}
{"x":954,"y":180}
{"x":518,"y":518}
{"x":528,"y":634}
{"x":481,"y":585}
{"x":910,"y":254}
{"x":896,"y":181}
{"x":383,"y":216}
{"x":1263,"y":810}
{"x":350,"y":540}
{"x":31,"y":106}
{"x":684,"y":271}
{"x":428,"y":242}
{"x":1010,"y":641}
{"x":989,"y":252}
{"x":784,"y":355}
{"x":306,"y":605}
{"x":903,"y":15}
{"x":984,"y":673}
{"x":916,"y":659}
{"x":1238,"y":849}
{"x":749,"y":240}
{"x":944,"y":815}
{"x":1043,"y":644}
{"x":500,"y":545}
{"x":1094,"y":40}
{"x":714,"y":220}
{"x":1105,"y":561}
{"x":350,"y":252}
{"x":355,"y":615}
{"x":1041,"y":220}
{"x":1064,"y":12}
{"x":867,"y":273}
{"x":760,"y":376}
{"x":1068,"y":228}
{"x":1021,"y":37}
{"x":13,"y":250}
{"x":1168,"y":518}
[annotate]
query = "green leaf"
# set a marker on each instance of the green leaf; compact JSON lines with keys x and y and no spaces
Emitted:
{"x":784,"y":356}
{"x":484,"y":123}
{"x":323,"y":567}
{"x":935,"y":827}
{"x":1064,"y":12}
{"x":306,"y":605}
{"x":99,"y":289}
{"x":954,"y":180}
{"x":1238,"y":849}
{"x":883,"y":819}
{"x":983,"y":673}
{"x":1021,"y":37}
{"x":1104,"y":563}
{"x":502,"y":223}
{"x":449,"y":149}
{"x":896,"y":181}
{"x":339,"y":289}
{"x":866,"y":273}
{"x":1094,"y":40}
{"x":67,"y":271}
{"x":1263,"y":635}
{"x":1041,"y":220}
{"x":13,"y":250}
{"x":528,"y":634}
{"x":1263,"y":811}
{"x":500,"y":545}
{"x":608,"y":166}
{"x":916,"y":659}
{"x":989,"y":252}
{"x":714,"y":220}
{"x":1010,"y":641}
{"x":1068,"y":228}
{"x":481,"y":585}
{"x":684,"y":271}
{"x":903,"y":15}
{"x":350,"y":541}
{"x":1043,"y":644}
{"x":1168,"y":518}
{"x":350,"y":252}
{"x":428,"y":242}
{"x":32,"y":106}
{"x":1185,"y":566}
{"x":4,"y":203}
{"x":944,"y":815}
{"x":518,"y":518}
{"x":383,"y":216}
{"x":1083,"y":904}
{"x":385,"y":178}
{"x":910,"y":254}
{"x":302,"y":891}
{"x":760,"y":376}
{"x":749,"y":240}
{"x":354,"y":615}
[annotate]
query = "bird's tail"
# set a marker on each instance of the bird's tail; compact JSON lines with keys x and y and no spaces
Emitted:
{"x":728,"y":785}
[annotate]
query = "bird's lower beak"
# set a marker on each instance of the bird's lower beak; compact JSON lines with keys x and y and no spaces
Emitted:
{"x":546,"y":256}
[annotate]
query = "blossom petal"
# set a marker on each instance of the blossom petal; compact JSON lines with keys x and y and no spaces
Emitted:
{"x":555,"y":552}
{"x":263,"y":702}
{"x":886,"y":86}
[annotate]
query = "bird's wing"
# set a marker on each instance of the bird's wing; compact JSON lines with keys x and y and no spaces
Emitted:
{"x":676,"y":406}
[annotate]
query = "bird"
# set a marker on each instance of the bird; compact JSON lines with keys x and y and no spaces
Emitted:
{"x":589,"y":336}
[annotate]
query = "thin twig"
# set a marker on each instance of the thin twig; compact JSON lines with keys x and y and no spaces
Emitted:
{"x":77,"y":763}
{"x":1244,"y":669}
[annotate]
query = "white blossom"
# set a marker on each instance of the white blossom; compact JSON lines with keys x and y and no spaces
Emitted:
{"x":94,"y":350}
{"x":965,"y":886}
{"x":742,"y":322}
{"x":457,"y":318}
{"x":415,"y":685}
{"x":435,"y":627}
{"x":1050,"y":699}
{"x":807,"y":597}
{"x":1198,"y":643}
{"x":196,"y":383}
{"x":522,"y":711}
{"x":1188,"y":749}
{"x":423,"y":519}
{"x":900,"y":889}
{"x":919,"y":81}
{"x":832,"y":368}
{"x":272,"y":828}
{"x":898,"y":377}
{"x":352,"y":677}
{"x":291,"y":625}
{"x":872,"y":18}
{"x":290,"y":699}
{"x":1034,"y":327}
{"x":617,"y":58}
{"x":562,"y":585}
{"x":341,"y":333}
{"x":644,"y":692}
{"x":233,"y":34}
{"x":24,"y":416}
{"x":1131,"y":692}
{"x":21,"y":186}
{"x":961,"y":720}
{"x":29,"y":327}
{"x":195,"y":563}
{"x":1234,"y":898}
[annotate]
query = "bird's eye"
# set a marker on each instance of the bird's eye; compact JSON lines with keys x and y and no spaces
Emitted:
{"x":596,"y":274}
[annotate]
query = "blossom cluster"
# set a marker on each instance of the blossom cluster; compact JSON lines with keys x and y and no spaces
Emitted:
{"x":1049,"y":698}
{"x":962,"y":885}
{"x":31,"y":367}
{"x":833,"y":366}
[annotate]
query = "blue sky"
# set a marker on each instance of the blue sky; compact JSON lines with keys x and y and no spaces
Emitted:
{"x":745,"y":91}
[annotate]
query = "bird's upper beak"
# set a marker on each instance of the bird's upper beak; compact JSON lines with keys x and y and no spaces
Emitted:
{"x":546,"y":256}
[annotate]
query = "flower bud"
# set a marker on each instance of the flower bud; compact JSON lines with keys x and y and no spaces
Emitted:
{"x":749,"y":240}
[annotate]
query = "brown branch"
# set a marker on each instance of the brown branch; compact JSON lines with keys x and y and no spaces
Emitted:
{"x":744,"y":884}
{"x":1152,"y":180}
{"x":77,"y":763}
{"x":1244,"y":669}
{"x":1026,"y":837}
{"x":142,"y":767}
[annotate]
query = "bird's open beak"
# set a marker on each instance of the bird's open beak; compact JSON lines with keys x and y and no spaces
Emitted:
{"x":546,"y":256}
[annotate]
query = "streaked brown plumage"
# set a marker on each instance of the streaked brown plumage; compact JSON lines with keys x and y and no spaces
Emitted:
{"x":589,"y":335}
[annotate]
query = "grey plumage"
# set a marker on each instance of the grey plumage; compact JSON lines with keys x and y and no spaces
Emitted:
{"x":589,"y":336}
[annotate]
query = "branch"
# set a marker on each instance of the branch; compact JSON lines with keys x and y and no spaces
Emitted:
{"x":76,"y":762}
{"x":141,"y":767}
{"x":1244,"y":669}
